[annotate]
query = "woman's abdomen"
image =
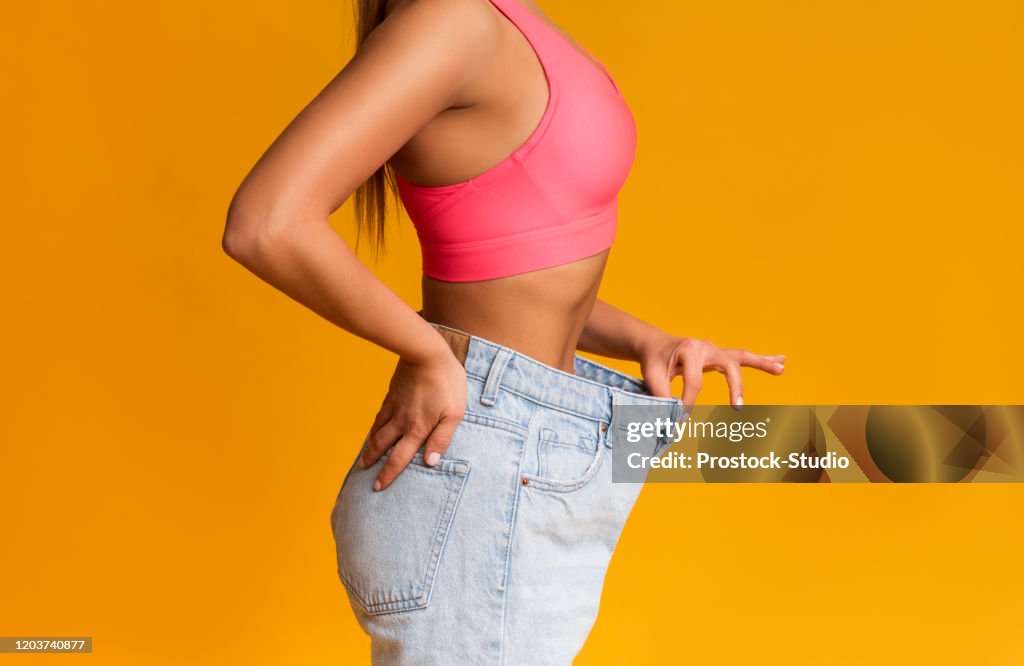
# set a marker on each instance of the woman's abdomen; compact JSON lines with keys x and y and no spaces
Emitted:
{"x":540,"y":314}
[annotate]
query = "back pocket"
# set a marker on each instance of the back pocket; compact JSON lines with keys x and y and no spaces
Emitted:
{"x":389,"y":542}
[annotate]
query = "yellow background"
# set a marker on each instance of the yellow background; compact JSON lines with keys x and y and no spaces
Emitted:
{"x":836,"y":181}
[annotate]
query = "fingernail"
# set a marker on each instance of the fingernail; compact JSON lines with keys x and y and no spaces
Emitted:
{"x":376,"y":484}
{"x":779,"y":366}
{"x":739,"y":402}
{"x":362,"y":462}
{"x":433,"y":457}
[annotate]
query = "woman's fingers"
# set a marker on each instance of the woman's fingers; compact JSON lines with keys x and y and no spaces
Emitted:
{"x":731,"y":362}
{"x":771,"y":364}
{"x":440,"y":438}
{"x":401,"y":453}
{"x":658,"y":380}
{"x":404,"y":443}
{"x":731,"y":370}
{"x":380,"y":441}
{"x":693,"y":373}
{"x":383,"y":416}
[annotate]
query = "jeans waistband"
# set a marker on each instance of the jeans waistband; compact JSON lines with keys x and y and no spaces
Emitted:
{"x":593,"y":391}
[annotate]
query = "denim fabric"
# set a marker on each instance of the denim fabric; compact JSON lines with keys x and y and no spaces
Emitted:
{"x":498,"y":554}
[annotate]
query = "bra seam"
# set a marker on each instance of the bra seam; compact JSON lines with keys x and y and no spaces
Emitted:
{"x":544,"y":193}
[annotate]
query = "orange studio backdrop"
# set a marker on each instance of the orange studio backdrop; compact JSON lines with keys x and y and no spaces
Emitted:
{"x":836,"y":181}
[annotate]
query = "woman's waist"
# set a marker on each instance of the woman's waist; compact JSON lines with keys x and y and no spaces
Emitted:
{"x":540,"y":314}
{"x":591,"y":391}
{"x":549,"y":340}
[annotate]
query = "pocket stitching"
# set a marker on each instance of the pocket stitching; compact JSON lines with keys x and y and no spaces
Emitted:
{"x":554,"y":485}
{"x":588,"y":448}
{"x":549,"y":438}
{"x":488,"y":421}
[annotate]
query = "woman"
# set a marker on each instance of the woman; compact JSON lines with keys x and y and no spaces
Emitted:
{"x":478,"y":519}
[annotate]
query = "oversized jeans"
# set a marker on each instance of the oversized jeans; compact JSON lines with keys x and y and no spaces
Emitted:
{"x":498,"y":554}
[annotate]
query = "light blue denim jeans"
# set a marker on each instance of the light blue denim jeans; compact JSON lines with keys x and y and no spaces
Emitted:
{"x":498,"y":554}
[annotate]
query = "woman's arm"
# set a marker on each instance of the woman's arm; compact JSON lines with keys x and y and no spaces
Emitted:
{"x":414,"y":65}
{"x":662,"y":356}
{"x":613,"y":333}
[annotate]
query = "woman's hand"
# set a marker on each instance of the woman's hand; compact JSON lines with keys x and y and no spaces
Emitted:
{"x":663,"y":356}
{"x":424,"y":404}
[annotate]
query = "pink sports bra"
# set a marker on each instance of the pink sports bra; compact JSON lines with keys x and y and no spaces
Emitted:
{"x":554,"y":200}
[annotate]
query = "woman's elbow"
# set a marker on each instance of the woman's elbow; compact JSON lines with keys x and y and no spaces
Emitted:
{"x":257,"y":226}
{"x":237,"y":235}
{"x":248,"y":240}
{"x":247,"y":230}
{"x":237,"y":240}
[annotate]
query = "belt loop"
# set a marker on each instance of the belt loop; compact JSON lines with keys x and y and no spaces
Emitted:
{"x":607,"y":429}
{"x":493,"y":383}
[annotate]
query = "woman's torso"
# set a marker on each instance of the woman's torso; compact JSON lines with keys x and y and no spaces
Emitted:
{"x":540,"y":313}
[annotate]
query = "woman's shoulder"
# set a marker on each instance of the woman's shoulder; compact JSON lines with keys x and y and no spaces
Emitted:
{"x":455,"y":19}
